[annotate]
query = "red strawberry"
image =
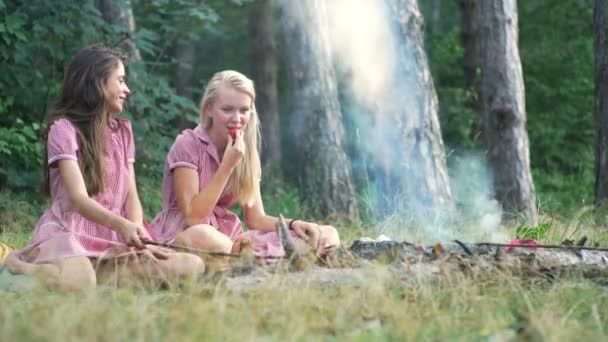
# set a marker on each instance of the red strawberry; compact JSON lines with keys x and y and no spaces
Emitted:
{"x":233,"y":132}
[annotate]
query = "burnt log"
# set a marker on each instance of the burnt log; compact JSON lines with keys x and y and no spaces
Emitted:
{"x":547,"y":261}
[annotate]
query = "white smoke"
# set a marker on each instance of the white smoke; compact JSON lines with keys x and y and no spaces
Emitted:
{"x":366,"y":51}
{"x":364,"y":45}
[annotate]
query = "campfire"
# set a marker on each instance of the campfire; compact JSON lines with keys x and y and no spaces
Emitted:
{"x":526,"y":258}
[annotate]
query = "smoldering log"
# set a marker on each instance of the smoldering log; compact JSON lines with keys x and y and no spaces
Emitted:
{"x":523,"y":260}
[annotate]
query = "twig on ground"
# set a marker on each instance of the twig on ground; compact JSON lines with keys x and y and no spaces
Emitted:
{"x":464,"y":247}
{"x":599,"y":249}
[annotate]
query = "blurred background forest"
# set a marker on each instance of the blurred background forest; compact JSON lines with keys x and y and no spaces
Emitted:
{"x":181,"y":43}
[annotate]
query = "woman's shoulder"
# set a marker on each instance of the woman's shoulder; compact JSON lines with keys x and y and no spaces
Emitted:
{"x":61,"y":123}
{"x":188,"y":137}
{"x":61,"y":126}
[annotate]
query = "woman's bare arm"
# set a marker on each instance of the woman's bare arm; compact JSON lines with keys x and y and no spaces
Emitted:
{"x":80,"y":202}
{"x":133,"y":208}
{"x":195,"y":205}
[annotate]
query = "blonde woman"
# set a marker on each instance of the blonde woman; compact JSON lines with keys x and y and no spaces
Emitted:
{"x":214,"y":166}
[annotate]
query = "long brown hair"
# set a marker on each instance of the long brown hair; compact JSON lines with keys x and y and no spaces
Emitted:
{"x":82,"y":101}
{"x":244,"y":181}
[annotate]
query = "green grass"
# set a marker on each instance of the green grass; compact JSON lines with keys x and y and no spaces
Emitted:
{"x":379,"y":306}
{"x":382,"y":308}
{"x":19,"y":213}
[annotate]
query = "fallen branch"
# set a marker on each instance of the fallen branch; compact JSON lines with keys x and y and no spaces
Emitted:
{"x":578,"y":248}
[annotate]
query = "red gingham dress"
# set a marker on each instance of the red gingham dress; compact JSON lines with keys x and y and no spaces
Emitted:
{"x":61,"y":232}
{"x":194,"y":149}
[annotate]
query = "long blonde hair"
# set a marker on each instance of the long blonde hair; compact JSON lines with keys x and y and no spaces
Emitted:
{"x":244,"y":181}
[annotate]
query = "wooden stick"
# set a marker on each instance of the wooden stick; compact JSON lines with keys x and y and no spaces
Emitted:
{"x":201,"y":251}
{"x":188,"y":249}
{"x":285,"y":238}
{"x":599,"y":249}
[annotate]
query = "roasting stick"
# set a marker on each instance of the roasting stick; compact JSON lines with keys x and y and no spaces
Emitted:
{"x":197,"y":251}
{"x":188,"y":249}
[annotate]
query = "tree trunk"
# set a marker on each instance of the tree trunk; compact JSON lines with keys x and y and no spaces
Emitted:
{"x":185,"y":55}
{"x":417,"y":173}
{"x":264,"y":74}
{"x":600,"y":45}
{"x":502,"y":104}
{"x":436,"y":16}
{"x":469,"y":37}
{"x":315,"y":112}
{"x":122,"y":14}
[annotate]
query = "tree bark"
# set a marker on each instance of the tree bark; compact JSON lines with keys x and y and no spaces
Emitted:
{"x":264,"y":74}
{"x":502,"y":104}
{"x":469,"y":37}
{"x":600,"y":45}
{"x":315,"y":112}
{"x":418,"y":172}
{"x":114,"y":13}
{"x":185,"y":55}
{"x":436,"y":16}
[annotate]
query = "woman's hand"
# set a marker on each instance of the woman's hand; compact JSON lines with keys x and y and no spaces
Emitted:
{"x":156,"y":253}
{"x":132,"y":234}
{"x":308,"y":232}
{"x":235,"y":150}
{"x":136,"y":235}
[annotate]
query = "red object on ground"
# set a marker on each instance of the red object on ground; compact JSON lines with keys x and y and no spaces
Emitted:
{"x":530,"y":242}
{"x":233,"y":132}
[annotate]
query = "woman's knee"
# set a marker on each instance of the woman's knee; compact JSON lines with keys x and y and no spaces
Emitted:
{"x":185,"y":264}
{"x":75,"y":273}
{"x":204,"y":237}
{"x":330,"y":235}
{"x":192,"y":234}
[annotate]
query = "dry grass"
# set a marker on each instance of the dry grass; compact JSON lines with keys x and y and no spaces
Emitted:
{"x":379,"y":304}
{"x":381,"y":307}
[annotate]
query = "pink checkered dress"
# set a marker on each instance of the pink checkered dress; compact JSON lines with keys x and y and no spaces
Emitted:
{"x":61,"y":232}
{"x":194,"y":149}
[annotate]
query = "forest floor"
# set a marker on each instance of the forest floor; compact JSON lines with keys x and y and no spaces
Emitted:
{"x":370,"y":301}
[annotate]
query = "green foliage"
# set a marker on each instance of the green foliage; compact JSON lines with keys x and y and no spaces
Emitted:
{"x":154,"y":108}
{"x":556,"y":44}
{"x":36,"y":38}
{"x":459,"y":122}
{"x":280,"y":197}
{"x":182,"y":20}
{"x":533,"y":232}
{"x":20,"y":154}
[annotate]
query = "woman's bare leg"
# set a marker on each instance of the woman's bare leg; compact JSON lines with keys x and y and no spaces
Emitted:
{"x":70,"y":274}
{"x":140,"y":270}
{"x":328,"y":240}
{"x":174,"y":269}
{"x":205,"y":237}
